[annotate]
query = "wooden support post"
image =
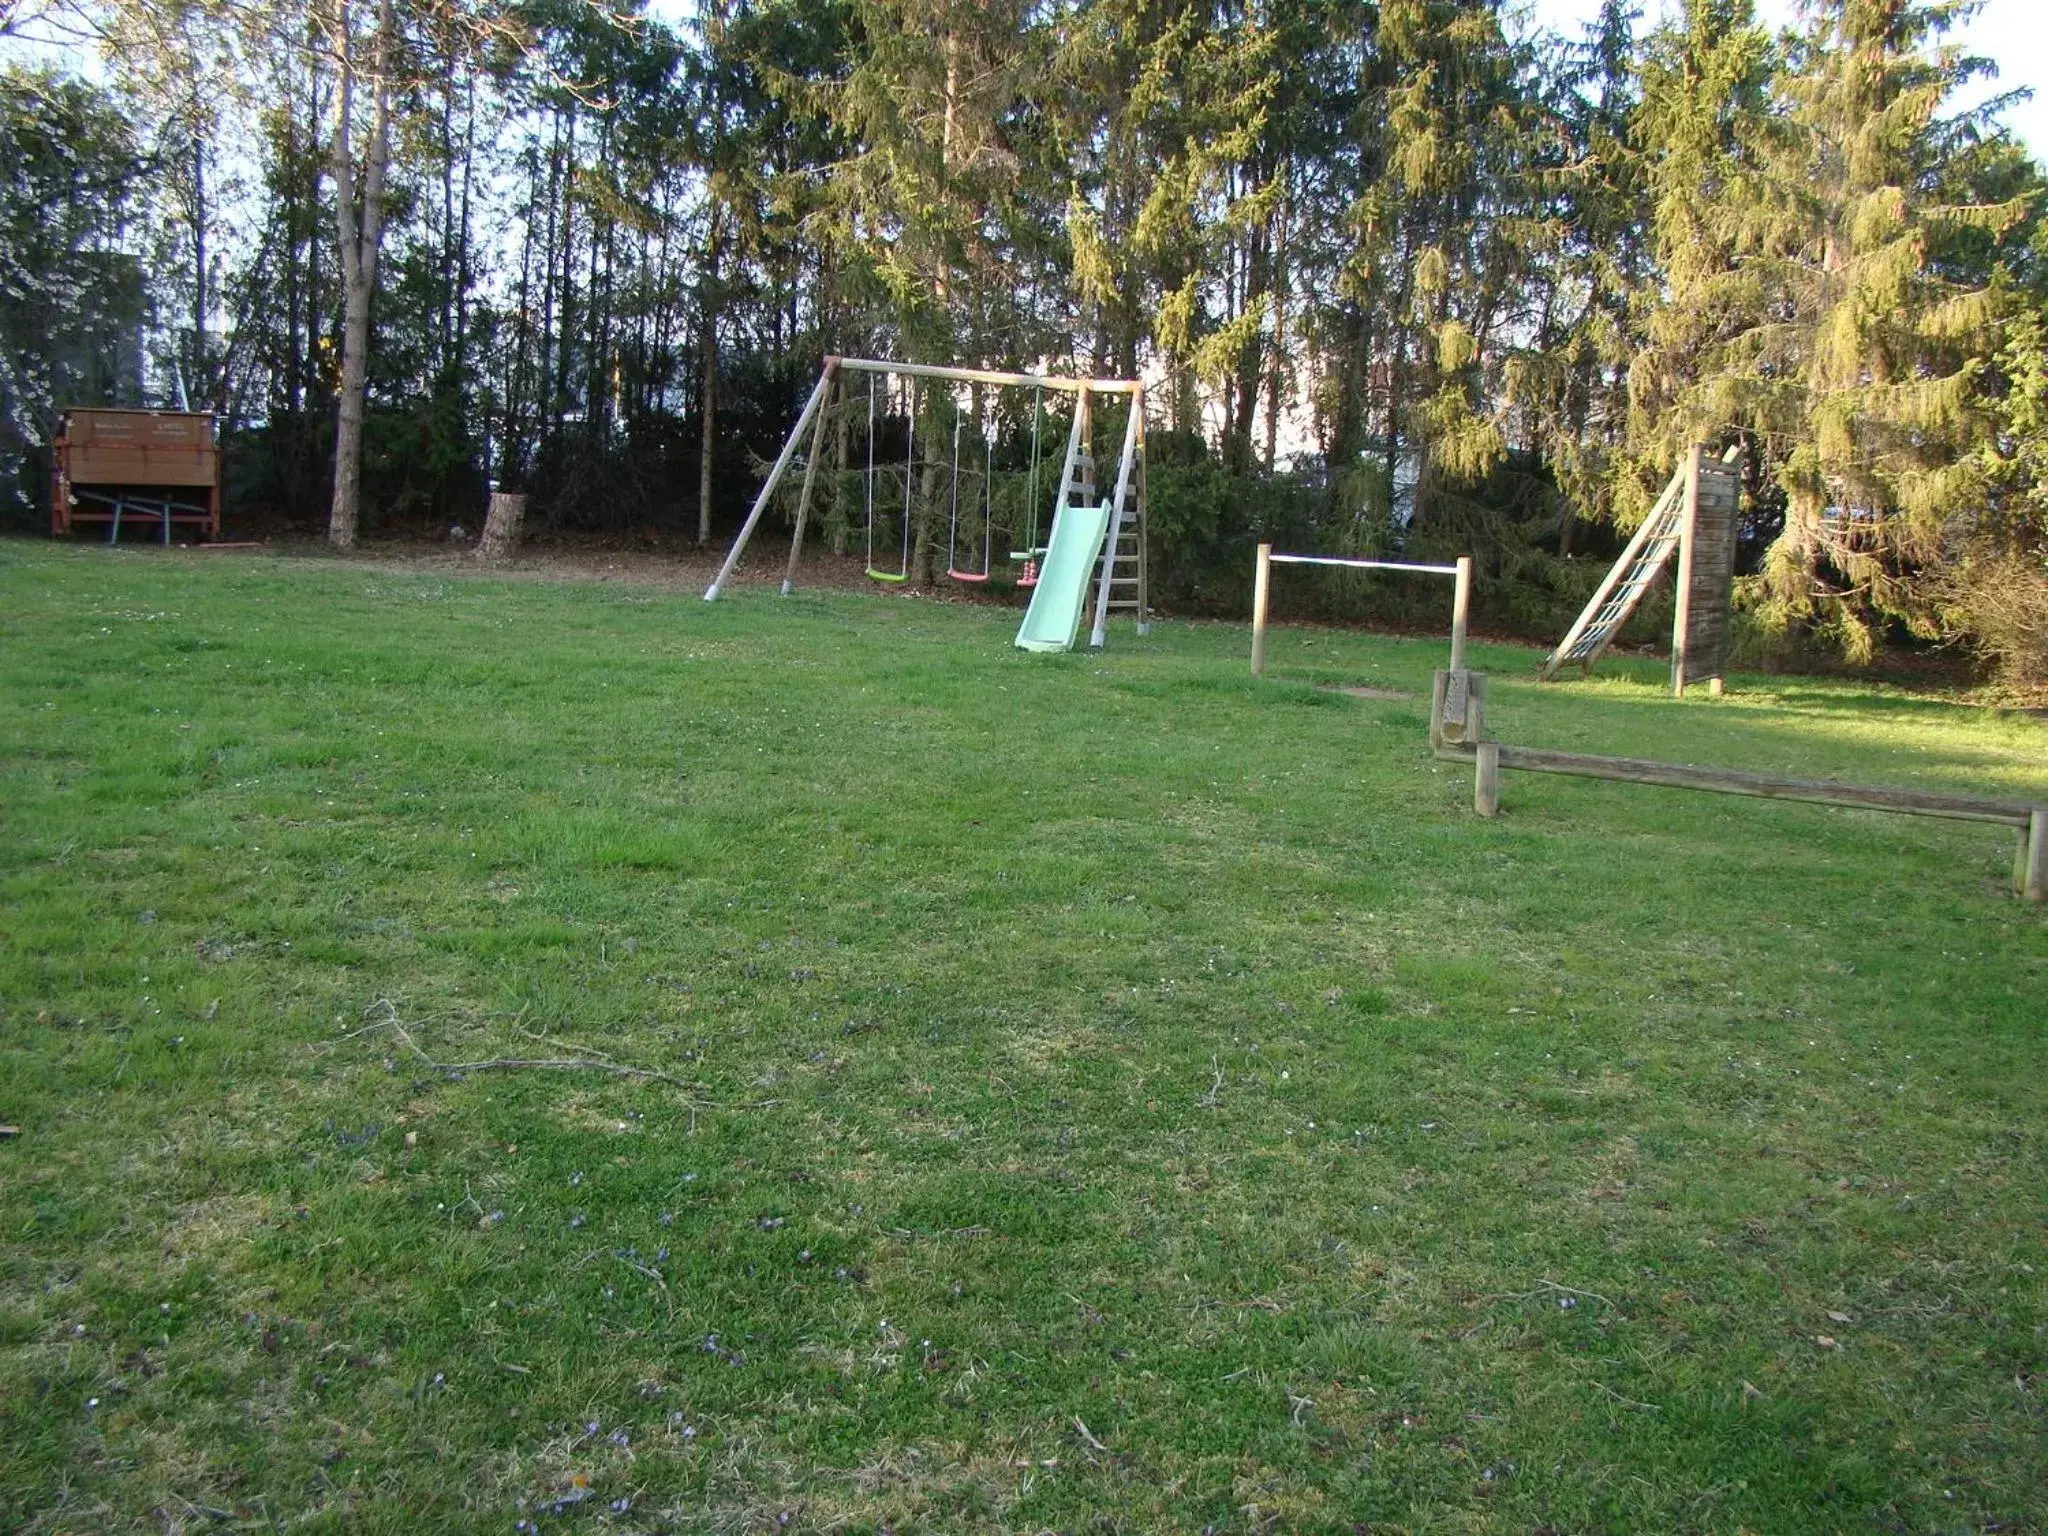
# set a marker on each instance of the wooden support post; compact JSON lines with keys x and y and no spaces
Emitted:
{"x":1461,"y":608}
{"x":1144,"y":527}
{"x":1439,"y":685}
{"x":739,"y":545}
{"x":1474,"y":730}
{"x":803,"y":501}
{"x":1486,"y":779}
{"x":1099,"y":634}
{"x":2034,"y":884}
{"x":1681,"y":609}
{"x":1262,"y":581}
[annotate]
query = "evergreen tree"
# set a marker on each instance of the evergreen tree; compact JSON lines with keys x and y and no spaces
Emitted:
{"x":1437,"y":235}
{"x":1704,"y":110}
{"x":71,"y":290}
{"x":1810,"y":289}
{"x":1587,"y":259}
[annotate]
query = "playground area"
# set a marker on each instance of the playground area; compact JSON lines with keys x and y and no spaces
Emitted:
{"x":559,"y":1055}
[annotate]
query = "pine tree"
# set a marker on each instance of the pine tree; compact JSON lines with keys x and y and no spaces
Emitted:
{"x":1705,"y":100}
{"x":1809,"y":310}
{"x":1586,"y":257}
{"x":1438,"y":222}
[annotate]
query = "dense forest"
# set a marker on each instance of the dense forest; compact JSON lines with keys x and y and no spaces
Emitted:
{"x":1399,"y":274}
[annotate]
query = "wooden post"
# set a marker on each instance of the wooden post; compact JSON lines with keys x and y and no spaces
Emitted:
{"x":1486,"y":779}
{"x":1100,"y":633}
{"x":501,"y":526}
{"x":1681,"y":615}
{"x":1262,"y":581}
{"x":2035,"y":886}
{"x":1439,"y":685}
{"x":1144,"y":527}
{"x":803,"y":501}
{"x":739,"y":545}
{"x":1461,"y":607}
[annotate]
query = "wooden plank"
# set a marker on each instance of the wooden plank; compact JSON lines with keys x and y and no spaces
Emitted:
{"x":2035,"y":886}
{"x":176,"y":429}
{"x":135,"y":512}
{"x":1729,"y":781}
{"x":986,"y":376}
{"x":141,"y":464}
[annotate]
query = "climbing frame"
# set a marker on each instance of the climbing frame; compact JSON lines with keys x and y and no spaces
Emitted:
{"x":1695,"y":518}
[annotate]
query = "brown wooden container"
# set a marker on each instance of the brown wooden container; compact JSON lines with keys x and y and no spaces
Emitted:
{"x":120,"y":467}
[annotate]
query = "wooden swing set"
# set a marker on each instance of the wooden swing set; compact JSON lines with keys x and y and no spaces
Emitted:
{"x":1120,"y":583}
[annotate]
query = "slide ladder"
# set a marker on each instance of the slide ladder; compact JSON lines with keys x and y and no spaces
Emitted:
{"x":1126,"y":564}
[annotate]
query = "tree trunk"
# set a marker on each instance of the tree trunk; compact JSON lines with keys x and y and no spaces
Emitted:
{"x":199,"y":297}
{"x":1275,"y":379}
{"x":707,"y":347}
{"x":501,"y":527}
{"x":359,"y":241}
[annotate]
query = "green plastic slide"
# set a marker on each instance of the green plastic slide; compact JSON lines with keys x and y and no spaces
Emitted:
{"x":1054,"y":618}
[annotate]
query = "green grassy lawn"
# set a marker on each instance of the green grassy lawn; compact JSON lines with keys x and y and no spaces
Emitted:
{"x":1088,"y":1093}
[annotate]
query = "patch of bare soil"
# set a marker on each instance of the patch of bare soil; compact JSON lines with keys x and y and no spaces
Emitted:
{"x":678,"y":567}
{"x":1357,"y":691}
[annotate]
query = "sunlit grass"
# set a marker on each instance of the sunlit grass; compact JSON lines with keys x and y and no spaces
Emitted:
{"x":1095,"y":1092}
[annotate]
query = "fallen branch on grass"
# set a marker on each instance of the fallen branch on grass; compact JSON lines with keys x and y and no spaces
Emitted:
{"x":1626,"y":1402}
{"x":557,"y":1064}
{"x":589,"y":1061}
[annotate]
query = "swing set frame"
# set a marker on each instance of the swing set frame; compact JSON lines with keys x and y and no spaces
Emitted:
{"x":1076,"y":483}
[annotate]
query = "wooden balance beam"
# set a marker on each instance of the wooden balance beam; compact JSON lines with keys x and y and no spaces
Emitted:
{"x":1468,"y":744}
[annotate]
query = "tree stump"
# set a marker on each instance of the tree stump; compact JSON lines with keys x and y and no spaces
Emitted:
{"x":501,"y":527}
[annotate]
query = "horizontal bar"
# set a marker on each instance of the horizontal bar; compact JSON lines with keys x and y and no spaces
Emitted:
{"x":1364,"y":565}
{"x":1728,"y":781}
{"x":985,"y":376}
